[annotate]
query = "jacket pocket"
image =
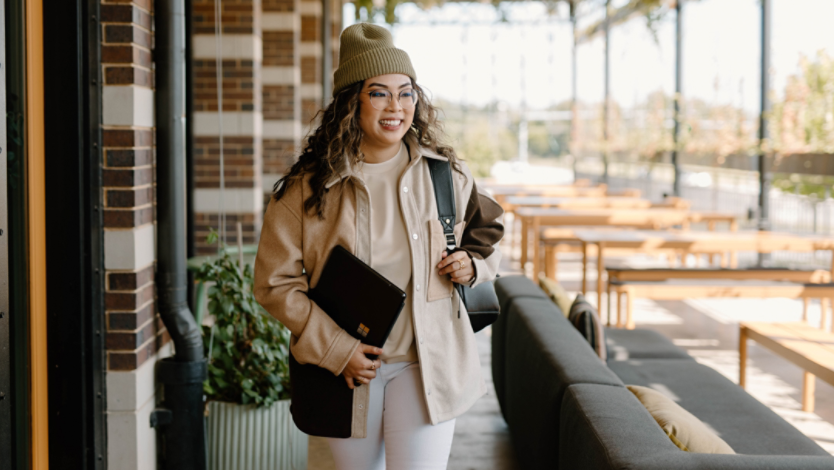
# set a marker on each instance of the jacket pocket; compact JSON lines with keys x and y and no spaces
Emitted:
{"x":440,"y":287}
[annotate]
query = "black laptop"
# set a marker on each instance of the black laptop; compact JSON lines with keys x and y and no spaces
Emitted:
{"x":360,"y":300}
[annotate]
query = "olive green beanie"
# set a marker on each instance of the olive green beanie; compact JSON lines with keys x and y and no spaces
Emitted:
{"x":365,"y":51}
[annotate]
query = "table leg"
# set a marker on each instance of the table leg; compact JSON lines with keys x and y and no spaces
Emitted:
{"x":629,"y":310}
{"x":619,"y":309}
{"x":809,"y":383}
{"x":733,"y":260}
{"x":711,"y":225}
{"x":608,"y":297}
{"x":524,"y":234}
{"x":549,"y":268}
{"x":584,"y":269}
{"x":536,"y":247}
{"x":723,"y":258}
{"x":805,"y":302}
{"x":734,"y":225}
{"x":600,"y":273}
{"x":823,"y":311}
{"x":742,"y":356}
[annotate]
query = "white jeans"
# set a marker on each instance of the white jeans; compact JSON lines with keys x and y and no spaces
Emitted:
{"x":400,"y":434}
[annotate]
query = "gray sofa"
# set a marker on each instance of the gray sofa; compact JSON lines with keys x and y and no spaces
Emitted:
{"x":566,"y":409}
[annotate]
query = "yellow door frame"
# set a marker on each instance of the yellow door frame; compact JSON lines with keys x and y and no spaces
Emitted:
{"x":39,"y":401}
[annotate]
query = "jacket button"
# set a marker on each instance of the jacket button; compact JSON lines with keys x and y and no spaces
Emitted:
{"x":414,"y":236}
{"x":361,"y":407}
{"x":405,"y":189}
{"x":418,"y":287}
{"x":428,"y":392}
{"x":421,"y":340}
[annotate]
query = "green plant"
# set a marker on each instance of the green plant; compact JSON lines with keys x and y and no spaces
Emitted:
{"x":248,"y":350}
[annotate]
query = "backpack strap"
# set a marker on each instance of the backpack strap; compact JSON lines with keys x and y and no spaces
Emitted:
{"x":444,"y":193}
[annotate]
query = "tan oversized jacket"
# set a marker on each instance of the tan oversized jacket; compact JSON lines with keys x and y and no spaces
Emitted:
{"x":294,"y":246}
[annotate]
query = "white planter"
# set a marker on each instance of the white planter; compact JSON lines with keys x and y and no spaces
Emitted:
{"x":244,"y":437}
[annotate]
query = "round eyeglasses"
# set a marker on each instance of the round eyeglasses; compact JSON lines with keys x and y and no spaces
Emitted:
{"x":380,"y":99}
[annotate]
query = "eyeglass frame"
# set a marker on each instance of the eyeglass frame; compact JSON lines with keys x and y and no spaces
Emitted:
{"x":391,"y":96}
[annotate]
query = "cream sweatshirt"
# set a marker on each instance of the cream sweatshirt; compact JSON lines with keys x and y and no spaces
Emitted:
{"x":390,"y":255}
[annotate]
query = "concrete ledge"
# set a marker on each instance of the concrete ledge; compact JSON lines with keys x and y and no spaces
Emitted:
{"x":310,"y":49}
{"x":129,"y":249}
{"x":274,"y":21}
{"x":311,"y":91}
{"x":233,"y":46}
{"x":235,"y":200}
{"x":311,"y":8}
{"x":131,"y":441}
{"x":235,"y":123}
{"x":127,"y":106}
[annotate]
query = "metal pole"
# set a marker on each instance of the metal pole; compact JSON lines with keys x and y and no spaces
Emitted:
{"x":327,"y":52}
{"x":764,"y":170}
{"x":573,"y":114}
{"x":676,"y":164}
{"x":606,"y":102}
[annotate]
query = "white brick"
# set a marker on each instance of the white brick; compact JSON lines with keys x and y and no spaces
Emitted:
{"x":287,"y":129}
{"x":127,"y":106}
{"x":280,"y":75}
{"x":128,"y":391}
{"x":280,"y":22}
{"x":129,"y":249}
{"x":131,"y":441}
{"x":311,"y":8}
{"x":311,"y":91}
{"x":235,"y":123}
{"x":310,"y":49}
{"x":235,"y":200}
{"x":233,"y":46}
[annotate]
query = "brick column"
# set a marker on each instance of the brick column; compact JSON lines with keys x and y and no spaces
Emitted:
{"x":241,"y":56}
{"x":135,"y":334}
{"x":281,"y":24}
{"x":311,"y":64}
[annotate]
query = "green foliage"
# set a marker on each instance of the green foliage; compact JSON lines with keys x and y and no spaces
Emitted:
{"x":248,"y":350}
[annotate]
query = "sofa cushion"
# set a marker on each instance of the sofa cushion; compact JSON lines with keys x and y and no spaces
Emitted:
{"x":640,"y":344}
{"x":685,"y":430}
{"x":544,"y":355}
{"x":583,"y":316}
{"x":606,"y":428}
{"x":507,"y":288}
{"x":748,"y":426}
{"x":556,"y":293}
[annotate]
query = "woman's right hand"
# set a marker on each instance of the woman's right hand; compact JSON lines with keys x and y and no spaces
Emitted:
{"x":360,"y":367}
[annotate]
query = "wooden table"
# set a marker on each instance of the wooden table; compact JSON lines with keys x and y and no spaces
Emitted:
{"x":680,"y":289}
{"x":711,"y":218}
{"x":810,"y":348}
{"x":545,"y":202}
{"x":686,"y":242}
{"x":536,"y":218}
{"x":501,"y":194}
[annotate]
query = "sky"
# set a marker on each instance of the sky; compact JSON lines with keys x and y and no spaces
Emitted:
{"x":529,"y":59}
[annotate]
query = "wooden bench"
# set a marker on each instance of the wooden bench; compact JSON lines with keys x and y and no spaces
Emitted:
{"x":681,"y":289}
{"x":810,"y":348}
{"x":626,"y":274}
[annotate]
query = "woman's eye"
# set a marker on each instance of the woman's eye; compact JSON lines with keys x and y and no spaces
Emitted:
{"x":407,"y":94}
{"x":378,"y":94}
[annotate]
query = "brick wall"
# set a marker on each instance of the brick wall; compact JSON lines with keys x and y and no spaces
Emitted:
{"x":135,"y":334}
{"x":241,"y":55}
{"x":281,"y":87}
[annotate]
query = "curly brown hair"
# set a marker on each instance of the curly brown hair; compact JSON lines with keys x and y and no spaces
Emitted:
{"x":339,"y":136}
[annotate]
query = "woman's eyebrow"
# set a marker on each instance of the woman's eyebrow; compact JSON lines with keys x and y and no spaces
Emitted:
{"x":386,"y":87}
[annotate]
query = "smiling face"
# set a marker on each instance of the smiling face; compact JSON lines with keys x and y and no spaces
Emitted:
{"x":384,"y":128}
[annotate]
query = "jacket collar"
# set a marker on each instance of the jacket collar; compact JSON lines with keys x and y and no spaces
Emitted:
{"x":416,"y":151}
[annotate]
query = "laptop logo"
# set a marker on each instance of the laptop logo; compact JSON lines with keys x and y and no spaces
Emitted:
{"x":363,"y":330}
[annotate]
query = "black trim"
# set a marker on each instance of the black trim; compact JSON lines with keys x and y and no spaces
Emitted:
{"x":75,"y":270}
{"x":5,"y":330}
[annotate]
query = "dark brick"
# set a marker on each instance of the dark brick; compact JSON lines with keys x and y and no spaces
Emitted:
{"x":122,"y":361}
{"x":130,"y":320}
{"x":128,"y":218}
{"x":128,"y":157}
{"x":126,"y":33}
{"x":128,"y":300}
{"x":127,"y":177}
{"x":129,"y":280}
{"x":127,"y":76}
{"x":127,"y":138}
{"x":129,"y":197}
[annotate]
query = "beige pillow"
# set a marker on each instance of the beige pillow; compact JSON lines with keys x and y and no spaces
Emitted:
{"x":684,"y":429}
{"x":556,"y":293}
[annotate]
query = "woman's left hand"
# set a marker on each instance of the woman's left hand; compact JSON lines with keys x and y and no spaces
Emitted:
{"x":459,"y":265}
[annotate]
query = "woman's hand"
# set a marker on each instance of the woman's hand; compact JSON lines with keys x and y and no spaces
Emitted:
{"x":361,"y":368}
{"x":459,"y":265}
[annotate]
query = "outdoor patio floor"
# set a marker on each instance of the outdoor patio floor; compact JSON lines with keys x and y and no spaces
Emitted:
{"x":706,"y":328}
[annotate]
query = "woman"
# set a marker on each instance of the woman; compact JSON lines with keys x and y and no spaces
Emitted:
{"x":362,"y":182}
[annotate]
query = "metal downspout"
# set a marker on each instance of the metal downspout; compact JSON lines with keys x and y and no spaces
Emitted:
{"x":179,"y":420}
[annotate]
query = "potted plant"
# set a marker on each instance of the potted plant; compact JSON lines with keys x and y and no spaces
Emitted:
{"x":249,"y":424}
